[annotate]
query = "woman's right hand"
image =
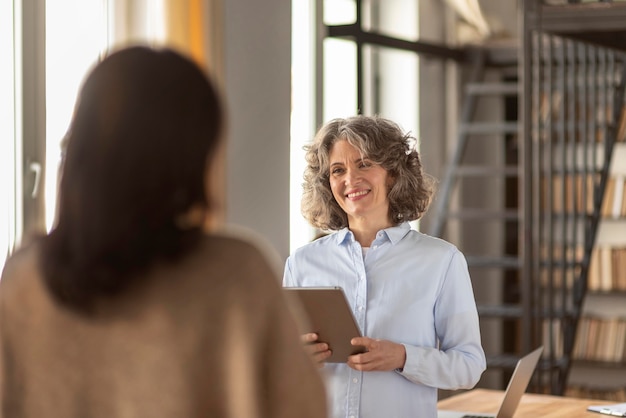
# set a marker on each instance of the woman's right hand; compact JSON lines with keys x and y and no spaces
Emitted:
{"x":317,"y":350}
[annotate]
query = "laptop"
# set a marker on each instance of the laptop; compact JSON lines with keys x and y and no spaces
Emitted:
{"x":515,"y":390}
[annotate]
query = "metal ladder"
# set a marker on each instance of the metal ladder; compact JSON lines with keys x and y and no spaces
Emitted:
{"x":539,"y":291}
{"x":450,"y":208}
{"x":475,"y":88}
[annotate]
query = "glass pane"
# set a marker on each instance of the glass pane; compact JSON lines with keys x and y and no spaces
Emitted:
{"x":339,"y":12}
{"x":340,"y":83}
{"x":395,"y":18}
{"x":302,"y":114}
{"x":7,"y":132}
{"x":68,"y":58}
{"x":391,"y":86}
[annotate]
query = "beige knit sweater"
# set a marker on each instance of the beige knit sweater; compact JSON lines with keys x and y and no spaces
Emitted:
{"x":208,"y":337}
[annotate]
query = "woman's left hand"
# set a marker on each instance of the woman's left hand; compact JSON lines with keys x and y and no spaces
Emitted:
{"x":381,"y":355}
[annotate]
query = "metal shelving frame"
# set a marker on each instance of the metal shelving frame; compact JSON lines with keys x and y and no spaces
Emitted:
{"x":573,"y":92}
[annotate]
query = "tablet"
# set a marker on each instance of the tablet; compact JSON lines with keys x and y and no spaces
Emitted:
{"x":330,"y":317}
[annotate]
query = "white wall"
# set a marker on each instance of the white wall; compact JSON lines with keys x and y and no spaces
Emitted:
{"x":257,"y":60}
{"x":436,"y":114}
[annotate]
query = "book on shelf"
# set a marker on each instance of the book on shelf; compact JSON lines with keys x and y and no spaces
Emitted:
{"x":607,"y":269}
{"x":550,"y":112}
{"x":601,"y":339}
{"x":621,"y":126}
{"x":552,"y":338}
{"x":568,"y":193}
{"x":554,"y":255}
{"x":614,"y":203}
{"x":575,"y":192}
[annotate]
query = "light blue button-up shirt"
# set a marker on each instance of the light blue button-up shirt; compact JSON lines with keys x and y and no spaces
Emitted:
{"x":409,"y":288}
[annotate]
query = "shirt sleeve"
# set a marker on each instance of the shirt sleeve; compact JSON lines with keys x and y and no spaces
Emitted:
{"x":288,"y":280}
{"x":459,"y":360}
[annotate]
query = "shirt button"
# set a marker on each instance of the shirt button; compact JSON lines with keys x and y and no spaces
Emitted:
{"x":374,"y":247}
{"x":355,"y":380}
{"x":360,"y":308}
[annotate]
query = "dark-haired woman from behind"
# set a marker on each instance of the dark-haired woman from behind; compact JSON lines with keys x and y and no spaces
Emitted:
{"x":128,"y":307}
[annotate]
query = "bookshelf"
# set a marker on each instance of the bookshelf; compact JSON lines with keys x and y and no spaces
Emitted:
{"x":574,"y":67}
{"x":599,"y":354}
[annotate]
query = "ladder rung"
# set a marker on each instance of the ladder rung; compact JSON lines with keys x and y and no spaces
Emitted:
{"x":557,"y":363}
{"x":558,"y":171}
{"x":560,"y":217}
{"x":508,"y":361}
{"x":488,"y":215}
{"x":560,"y":264}
{"x":502,"y":361}
{"x":503,"y":55}
{"x":486,"y":128}
{"x":481,"y":170}
{"x":500,"y":311}
{"x":556,"y":313}
{"x":509,"y":262}
{"x":506,"y":89}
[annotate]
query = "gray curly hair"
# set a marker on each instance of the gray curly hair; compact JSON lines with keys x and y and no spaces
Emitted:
{"x":383,"y":142}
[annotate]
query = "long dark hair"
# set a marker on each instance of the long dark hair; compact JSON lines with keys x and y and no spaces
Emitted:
{"x":146,"y":126}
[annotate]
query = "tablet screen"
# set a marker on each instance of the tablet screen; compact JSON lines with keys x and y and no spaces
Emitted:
{"x":329,"y":316}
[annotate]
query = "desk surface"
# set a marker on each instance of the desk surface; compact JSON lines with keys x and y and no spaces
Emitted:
{"x":531,"y":405}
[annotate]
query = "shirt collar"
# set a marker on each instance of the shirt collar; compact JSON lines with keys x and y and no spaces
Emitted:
{"x":344,"y":235}
{"x":394,"y":233}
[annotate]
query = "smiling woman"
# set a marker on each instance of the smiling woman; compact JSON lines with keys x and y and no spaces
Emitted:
{"x":410,"y":293}
{"x":359,"y":186}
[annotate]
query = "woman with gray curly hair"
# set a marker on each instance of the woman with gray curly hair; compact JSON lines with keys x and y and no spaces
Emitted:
{"x":410,"y":293}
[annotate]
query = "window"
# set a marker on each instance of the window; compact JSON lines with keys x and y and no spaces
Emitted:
{"x":303,"y":112}
{"x":8,"y":150}
{"x":77,"y":32}
{"x":330,"y":88}
{"x":69,"y":56}
{"x":73,"y":47}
